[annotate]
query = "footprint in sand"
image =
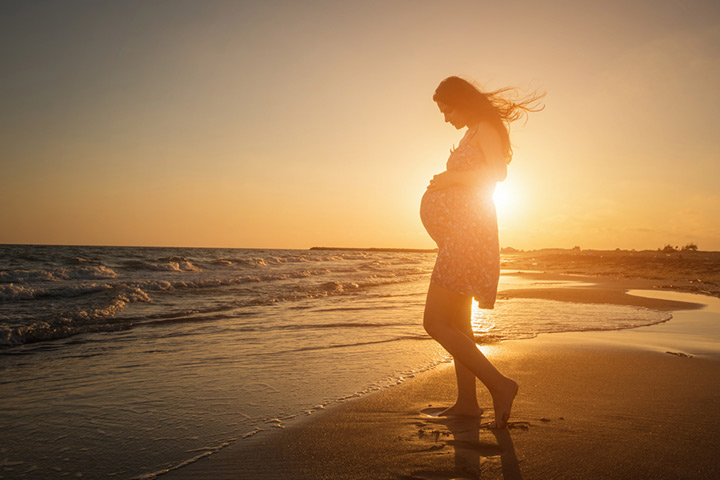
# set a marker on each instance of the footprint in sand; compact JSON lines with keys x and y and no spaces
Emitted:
{"x":434,"y":412}
{"x":432,"y":476}
{"x":484,"y":449}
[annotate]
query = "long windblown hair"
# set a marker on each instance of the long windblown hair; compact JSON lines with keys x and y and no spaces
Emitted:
{"x":500,"y":107}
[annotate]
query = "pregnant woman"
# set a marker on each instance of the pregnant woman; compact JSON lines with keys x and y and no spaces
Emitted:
{"x":458,"y":212}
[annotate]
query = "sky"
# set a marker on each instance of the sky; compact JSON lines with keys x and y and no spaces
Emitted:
{"x":284,"y":124}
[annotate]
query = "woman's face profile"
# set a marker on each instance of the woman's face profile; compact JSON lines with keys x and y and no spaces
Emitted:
{"x":452,"y":115}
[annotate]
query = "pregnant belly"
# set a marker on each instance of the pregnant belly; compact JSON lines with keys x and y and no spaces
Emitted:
{"x":437,"y":209}
{"x":452,"y":209}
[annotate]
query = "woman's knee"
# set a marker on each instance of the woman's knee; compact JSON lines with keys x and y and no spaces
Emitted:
{"x":436,"y":321}
{"x":434,"y":318}
{"x":445,"y":309}
{"x":431,"y":324}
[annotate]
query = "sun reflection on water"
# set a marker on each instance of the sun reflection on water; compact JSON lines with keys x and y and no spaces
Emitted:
{"x":482,"y":321}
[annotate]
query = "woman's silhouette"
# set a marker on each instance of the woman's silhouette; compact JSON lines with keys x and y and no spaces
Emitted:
{"x":458,"y":212}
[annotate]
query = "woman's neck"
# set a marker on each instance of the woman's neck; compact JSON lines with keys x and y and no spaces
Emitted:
{"x":470,"y":128}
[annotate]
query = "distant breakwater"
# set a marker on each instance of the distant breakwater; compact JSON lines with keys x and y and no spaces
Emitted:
{"x":374,"y":249}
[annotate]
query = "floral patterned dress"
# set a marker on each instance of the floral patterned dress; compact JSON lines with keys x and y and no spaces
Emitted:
{"x":463,"y":222}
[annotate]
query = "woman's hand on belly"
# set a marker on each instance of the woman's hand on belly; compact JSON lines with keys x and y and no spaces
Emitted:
{"x":452,"y":178}
{"x":443,"y":180}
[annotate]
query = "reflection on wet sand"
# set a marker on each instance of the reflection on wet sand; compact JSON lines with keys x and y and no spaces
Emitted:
{"x":472,"y":445}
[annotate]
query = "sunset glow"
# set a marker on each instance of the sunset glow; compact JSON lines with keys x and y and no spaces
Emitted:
{"x":505,"y":200}
{"x":287,"y":126}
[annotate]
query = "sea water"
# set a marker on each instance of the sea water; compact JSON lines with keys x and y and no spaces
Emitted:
{"x":126,"y":362}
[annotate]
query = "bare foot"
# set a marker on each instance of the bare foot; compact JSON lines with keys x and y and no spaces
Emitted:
{"x":502,"y":403}
{"x":465,"y":411}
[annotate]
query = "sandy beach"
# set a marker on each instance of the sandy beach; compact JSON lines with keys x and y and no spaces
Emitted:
{"x":221,"y":220}
{"x":689,"y":271}
{"x":636,"y":403}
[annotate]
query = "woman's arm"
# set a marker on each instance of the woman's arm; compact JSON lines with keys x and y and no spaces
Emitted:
{"x":451,"y":178}
{"x":494,"y":168}
{"x":488,"y":141}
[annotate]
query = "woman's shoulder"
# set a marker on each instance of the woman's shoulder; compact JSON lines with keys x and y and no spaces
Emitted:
{"x":484,"y":133}
{"x":488,"y":141}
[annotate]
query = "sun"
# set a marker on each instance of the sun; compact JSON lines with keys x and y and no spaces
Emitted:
{"x":504,"y":198}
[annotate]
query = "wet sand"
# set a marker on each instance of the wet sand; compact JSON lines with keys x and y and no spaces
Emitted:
{"x":690,"y":271}
{"x":639,"y":403}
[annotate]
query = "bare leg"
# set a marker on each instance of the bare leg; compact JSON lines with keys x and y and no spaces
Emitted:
{"x":444,"y":310}
{"x":466,"y":403}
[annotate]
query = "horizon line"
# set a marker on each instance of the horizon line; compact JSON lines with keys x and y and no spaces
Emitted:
{"x":376,"y":249}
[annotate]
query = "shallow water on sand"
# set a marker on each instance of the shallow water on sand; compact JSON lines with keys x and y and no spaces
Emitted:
{"x":167,"y":355}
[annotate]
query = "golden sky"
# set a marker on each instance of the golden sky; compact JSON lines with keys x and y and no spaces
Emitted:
{"x":295,"y":124}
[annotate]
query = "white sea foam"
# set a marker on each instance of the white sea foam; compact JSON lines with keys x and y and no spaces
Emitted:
{"x":89,"y":272}
{"x":10,"y":292}
{"x":182,"y":266}
{"x":72,"y":320}
{"x":16,"y":292}
{"x":222,"y":340}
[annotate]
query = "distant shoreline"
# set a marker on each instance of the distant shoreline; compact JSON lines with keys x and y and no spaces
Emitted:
{"x":687,"y":271}
{"x":376,"y":249}
{"x":506,"y":250}
{"x":539,"y":251}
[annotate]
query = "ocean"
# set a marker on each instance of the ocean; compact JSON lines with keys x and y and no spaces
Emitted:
{"x":127,"y":362}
